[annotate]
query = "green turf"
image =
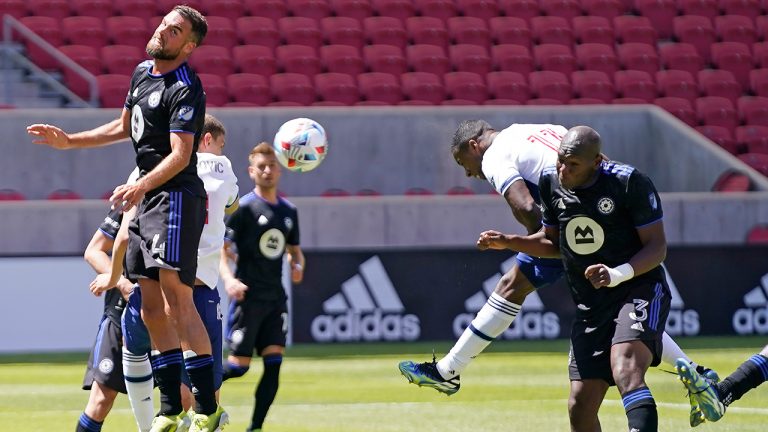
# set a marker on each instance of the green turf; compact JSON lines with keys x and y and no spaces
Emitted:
{"x":517,"y":386}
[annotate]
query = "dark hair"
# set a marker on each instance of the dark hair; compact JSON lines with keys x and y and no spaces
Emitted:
{"x":213,"y":126}
{"x":469,"y":130}
{"x":196,"y":19}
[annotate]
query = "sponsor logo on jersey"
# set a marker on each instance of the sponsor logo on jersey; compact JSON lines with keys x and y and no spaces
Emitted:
{"x":583,"y":235}
{"x":272,"y":243}
{"x":186,"y":113}
{"x":368,"y":308}
{"x":533,"y":321}
{"x":753,"y":319}
{"x":605,"y":205}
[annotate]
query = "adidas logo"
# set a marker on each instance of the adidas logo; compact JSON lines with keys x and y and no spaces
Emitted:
{"x":533,"y":322}
{"x":680,"y":321}
{"x":754,"y":318}
{"x":367,"y":309}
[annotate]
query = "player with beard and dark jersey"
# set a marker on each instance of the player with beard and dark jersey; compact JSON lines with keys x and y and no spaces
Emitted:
{"x":163,"y":116}
{"x":605,"y":220}
{"x":263,"y":229}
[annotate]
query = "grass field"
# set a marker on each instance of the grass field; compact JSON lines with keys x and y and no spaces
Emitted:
{"x":516,"y":386}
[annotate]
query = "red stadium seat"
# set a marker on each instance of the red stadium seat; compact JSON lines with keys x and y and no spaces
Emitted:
{"x":703,"y":8}
{"x":761,"y":26}
{"x":292,"y":87}
{"x":720,"y":136}
{"x":635,"y":84}
{"x":722,"y":83}
{"x":753,"y":138}
{"x":758,"y":82}
{"x":512,"y":58}
{"x":635,"y":29}
{"x":734,"y":57}
{"x":757,"y":161}
{"x":58,"y":9}
{"x":64,"y":194}
{"x":315,"y":9}
{"x":300,"y":31}
{"x":215,"y":91}
{"x":551,"y":29}
{"x":504,"y":102}
{"x":508,"y":86}
{"x":716,"y":111}
{"x":732,"y":181}
{"x":88,"y":58}
{"x":561,"y":8}
{"x":14,"y":8}
{"x":212,"y":59}
{"x":465,"y":85}
{"x":593,"y":85}
{"x":249,"y":88}
{"x":357,"y":9}
{"x":221,"y":32}
{"x":593,"y":29}
{"x":735,"y":28}
{"x":660,"y":12}
{"x":427,"y":58}
{"x":681,"y":56}
{"x":255,"y":30}
{"x":7,"y":194}
{"x":550,"y":85}
{"x":385,"y":30}
{"x":638,"y":56}
{"x":753,"y":110}
{"x":400,"y":9}
{"x":254,"y":59}
{"x":599,"y":57}
{"x":48,"y":29}
{"x":336,"y":87}
{"x":587,"y":101}
{"x":680,"y":108}
{"x":82,"y":30}
{"x":272,"y":9}
{"x":113,"y":89}
{"x":298,"y":59}
{"x":758,"y":234}
{"x":442,"y":9}
{"x":469,"y":30}
{"x":628,"y":101}
{"x":483,"y":9}
{"x":92,"y":8}
{"x":697,"y":31}
{"x":458,"y":102}
{"x":554,"y":57}
{"x":427,"y":30}
{"x":544,"y":101}
{"x":604,"y":8}
{"x":750,"y":8}
{"x":509,"y":30}
{"x":470,"y":58}
{"x":422,"y":86}
{"x":342,"y":31}
{"x":232,"y":9}
{"x":144,"y":9}
{"x":760,"y":54}
{"x":525,"y":9}
{"x":385,"y":58}
{"x":127,"y":30}
{"x":165,"y":6}
{"x":380,"y":87}
{"x":677,"y":83}
{"x":342,"y":59}
{"x":121,"y":59}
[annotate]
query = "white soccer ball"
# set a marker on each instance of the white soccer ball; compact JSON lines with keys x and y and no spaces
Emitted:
{"x":300,"y":144}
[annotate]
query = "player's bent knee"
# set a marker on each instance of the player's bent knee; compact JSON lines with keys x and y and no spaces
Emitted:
{"x":514,"y":287}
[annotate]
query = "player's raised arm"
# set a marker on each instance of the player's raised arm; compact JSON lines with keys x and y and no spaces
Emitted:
{"x":109,"y":133}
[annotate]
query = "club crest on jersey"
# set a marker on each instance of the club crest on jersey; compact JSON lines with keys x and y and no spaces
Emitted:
{"x":288,"y":223}
{"x":186,"y":112}
{"x":106,"y":366}
{"x":154,"y":99}
{"x":605,"y":205}
{"x":652,"y":200}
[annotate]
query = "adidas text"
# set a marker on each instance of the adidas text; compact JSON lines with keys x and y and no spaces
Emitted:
{"x":354,"y":327}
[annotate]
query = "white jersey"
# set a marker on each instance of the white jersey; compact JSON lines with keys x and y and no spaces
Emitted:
{"x":521,"y":152}
{"x":221,"y":186}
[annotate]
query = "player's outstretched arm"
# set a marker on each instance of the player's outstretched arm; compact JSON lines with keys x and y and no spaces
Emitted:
{"x":523,"y":206}
{"x":55,"y":137}
{"x":296,"y":262}
{"x":539,"y":244}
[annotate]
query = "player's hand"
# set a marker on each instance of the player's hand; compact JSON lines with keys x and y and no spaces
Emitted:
{"x":126,"y":196}
{"x":235,"y":289}
{"x":598,"y":275}
{"x":297,"y":272}
{"x":49,"y":135}
{"x":102,"y":283}
{"x":492,"y":240}
{"x":126,"y":287}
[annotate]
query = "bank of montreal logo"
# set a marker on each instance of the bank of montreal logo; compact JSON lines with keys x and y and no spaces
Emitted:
{"x":754,"y":318}
{"x":367,"y":309}
{"x":534,"y":322}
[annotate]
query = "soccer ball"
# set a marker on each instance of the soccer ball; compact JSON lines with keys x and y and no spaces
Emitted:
{"x":300,"y":144}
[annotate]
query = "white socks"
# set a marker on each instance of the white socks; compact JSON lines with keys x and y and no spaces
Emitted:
{"x":671,"y":351}
{"x":496,"y":316}
{"x":139,"y":383}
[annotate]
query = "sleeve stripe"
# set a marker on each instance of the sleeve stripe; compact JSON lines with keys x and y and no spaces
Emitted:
{"x":650,"y":223}
{"x":507,"y":182}
{"x":181,"y":131}
{"x":106,"y":233}
{"x":548,"y":225}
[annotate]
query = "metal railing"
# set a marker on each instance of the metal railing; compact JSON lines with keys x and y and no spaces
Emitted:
{"x":10,"y":55}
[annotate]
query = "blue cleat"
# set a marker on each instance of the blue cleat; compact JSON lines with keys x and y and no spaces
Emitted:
{"x":702,"y":393}
{"x":426,"y":375}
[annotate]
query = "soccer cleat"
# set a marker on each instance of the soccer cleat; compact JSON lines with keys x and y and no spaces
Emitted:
{"x":696,"y":416}
{"x":184,"y":420}
{"x":426,"y":375}
{"x":210,"y":423}
{"x":164,"y":423}
{"x":702,"y":392}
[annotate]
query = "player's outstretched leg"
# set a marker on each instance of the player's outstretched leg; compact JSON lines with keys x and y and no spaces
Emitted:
{"x":210,"y":423}
{"x":702,"y":391}
{"x":426,"y":375}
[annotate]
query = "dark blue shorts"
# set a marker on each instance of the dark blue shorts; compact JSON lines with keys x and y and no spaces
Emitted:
{"x":540,"y":271}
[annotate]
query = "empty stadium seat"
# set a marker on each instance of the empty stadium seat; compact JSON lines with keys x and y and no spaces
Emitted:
{"x":221,"y":32}
{"x":84,"y":30}
{"x":703,"y":8}
{"x":422,"y":86}
{"x":638,"y":56}
{"x":484,"y":9}
{"x":88,"y":58}
{"x":758,"y":82}
{"x":677,"y":83}
{"x":512,"y":58}
{"x":342,"y":59}
{"x":298,"y":59}
{"x":469,"y":58}
{"x":292,"y":87}
{"x":58,"y":9}
{"x":48,"y":29}
{"x":757,"y":161}
{"x":212,"y":59}
{"x":336,"y":87}
{"x":231,"y":9}
{"x":442,"y":9}
{"x":504,"y":102}
{"x":249,"y":88}
{"x":593,"y":85}
{"x":469,"y":30}
{"x":587,"y":101}
{"x":357,"y":9}
{"x":384,"y":58}
{"x":593,"y":29}
{"x":113,"y":88}
{"x":315,"y":9}
{"x":64,"y":194}
{"x":551,"y":29}
{"x":427,"y":58}
{"x":121,"y":59}
{"x":734,"y":57}
{"x":7,"y":194}
{"x":544,"y":101}
{"x":761,"y":26}
{"x":342,"y":31}
{"x":604,"y":8}
{"x":758,"y":234}
{"x":760,"y":54}
{"x":165,"y":6}
{"x":272,"y":9}
{"x":697,"y":31}
{"x":661,"y":13}
{"x":427,"y":30}
{"x":385,"y":30}
{"x":14,"y":8}
{"x":713,"y":82}
{"x":465,"y":85}
{"x":554,"y":57}
{"x":380,"y":87}
{"x":525,"y":9}
{"x":681,"y":56}
{"x":750,"y":8}
{"x":680,"y":108}
{"x":94,"y":8}
{"x":561,"y":8}
{"x":599,"y":57}
{"x":550,"y":85}
{"x":144,"y":9}
{"x":215,"y":89}
{"x":504,"y":85}
{"x":735,"y":28}
{"x":255,"y":59}
{"x":628,"y":101}
{"x":753,"y":138}
{"x":255,"y":30}
{"x":732,"y":181}
{"x":636,"y":29}
{"x":720,"y":136}
{"x":127,"y":30}
{"x":716,"y":111}
{"x":753,"y":110}
{"x":400,"y":9}
{"x":300,"y":31}
{"x":635,"y":84}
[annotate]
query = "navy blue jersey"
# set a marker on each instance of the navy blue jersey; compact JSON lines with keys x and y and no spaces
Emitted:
{"x":159,"y":105}
{"x":113,"y":299}
{"x":261,"y":230}
{"x":598,"y":225}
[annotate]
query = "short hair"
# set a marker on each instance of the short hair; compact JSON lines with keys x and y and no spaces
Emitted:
{"x":213,"y":126}
{"x":262,"y":148}
{"x":469,"y":130}
{"x":196,"y":19}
